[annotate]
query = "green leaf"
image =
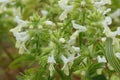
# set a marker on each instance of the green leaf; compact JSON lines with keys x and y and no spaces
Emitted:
{"x":21,"y":61}
{"x":99,"y":77}
{"x":114,"y":62}
{"x":91,"y":71}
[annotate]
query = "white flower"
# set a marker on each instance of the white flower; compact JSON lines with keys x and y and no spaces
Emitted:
{"x":83,"y":3}
{"x":103,"y":39}
{"x":103,"y":2}
{"x":108,"y":20}
{"x":3,"y":6}
{"x":73,"y":37}
{"x":62,"y":40}
{"x":22,"y":36}
{"x":51,"y":61}
{"x":101,"y":59}
{"x":115,"y":15}
{"x":50,"y":23}
{"x":117,"y":55}
{"x":44,"y":12}
{"x":106,"y":11}
{"x":109,"y":33}
{"x":21,"y":46}
{"x":20,"y":21}
{"x":78,"y":27}
{"x":77,"y":49}
{"x":68,"y":62}
{"x":76,"y":33}
{"x":107,"y":30}
{"x":4,"y":1}
{"x":16,"y":29}
{"x":67,"y":8}
{"x":118,"y":31}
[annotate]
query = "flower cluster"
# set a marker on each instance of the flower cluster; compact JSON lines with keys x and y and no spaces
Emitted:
{"x":63,"y":33}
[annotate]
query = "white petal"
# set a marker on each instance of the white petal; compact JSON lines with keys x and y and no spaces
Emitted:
{"x":77,"y":49}
{"x":44,"y":12}
{"x":64,"y":59}
{"x":66,"y":69}
{"x":101,"y":59}
{"x":117,"y":55}
{"x":49,"y":23}
{"x":115,"y":14}
{"x":51,"y":59}
{"x":118,"y":30}
{"x":108,"y":20}
{"x":106,"y":11}
{"x":77,"y":26}
{"x":63,"y":15}
{"x":22,"y":36}
{"x":62,"y":40}
{"x":103,"y":39}
{"x":51,"y":69}
{"x":20,"y":21}
{"x":4,"y":1}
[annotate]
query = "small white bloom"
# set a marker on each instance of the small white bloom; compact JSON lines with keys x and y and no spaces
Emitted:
{"x":106,"y":11}
{"x":76,"y":33}
{"x":65,"y":67}
{"x":21,"y":46}
{"x":68,"y":62}
{"x":4,"y":1}
{"x":67,"y":8}
{"x":107,"y":30}
{"x":83,"y":3}
{"x":15,"y":30}
{"x":51,"y":61}
{"x":16,"y":12}
{"x":115,"y":14}
{"x":85,"y":60}
{"x":117,"y":55}
{"x":73,"y":37}
{"x":110,"y":33}
{"x":103,"y":39}
{"x":118,"y":30}
{"x":62,"y":40}
{"x":103,"y":2}
{"x":78,"y":27}
{"x":77,"y":49}
{"x":50,"y":23}
{"x":90,"y":48}
{"x":108,"y":20}
{"x":22,"y":36}
{"x":20,"y":21}
{"x":101,"y":59}
{"x":44,"y":12}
